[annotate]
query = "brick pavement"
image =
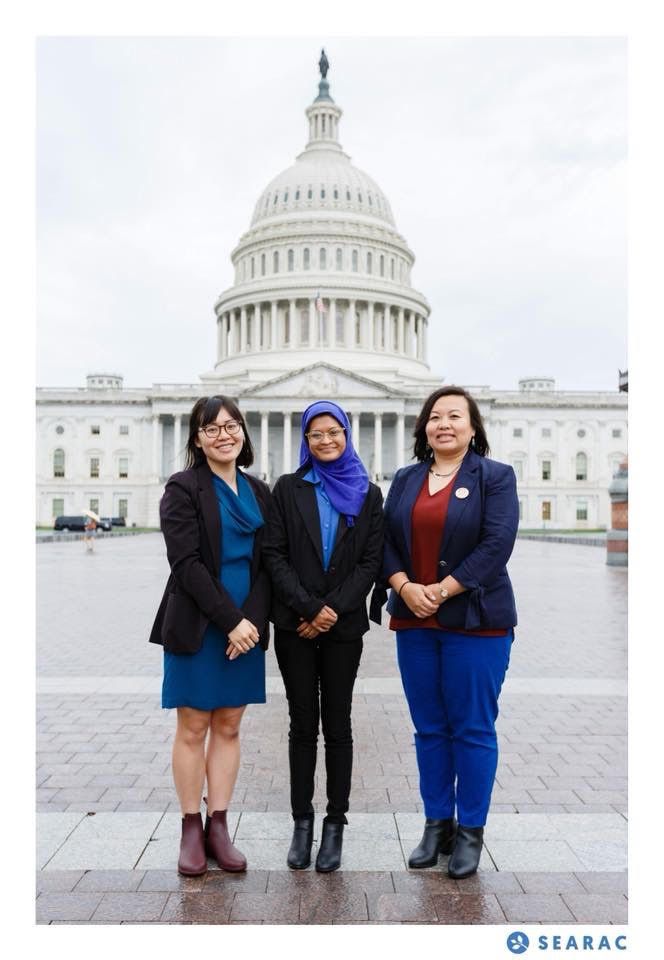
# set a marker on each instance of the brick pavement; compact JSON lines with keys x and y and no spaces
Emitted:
{"x":555,"y":844}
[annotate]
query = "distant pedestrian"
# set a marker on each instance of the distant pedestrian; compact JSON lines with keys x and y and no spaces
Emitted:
{"x":89,"y":533}
{"x":450,"y":526}
{"x":212,"y":621}
{"x":323,"y":549}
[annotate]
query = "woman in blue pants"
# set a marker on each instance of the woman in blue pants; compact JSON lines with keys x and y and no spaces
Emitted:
{"x":450,"y":526}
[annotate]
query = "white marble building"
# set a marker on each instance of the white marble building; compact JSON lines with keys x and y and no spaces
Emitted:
{"x":322,"y":306}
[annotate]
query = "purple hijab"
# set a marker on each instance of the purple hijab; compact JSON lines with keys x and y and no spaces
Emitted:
{"x":345,"y":480}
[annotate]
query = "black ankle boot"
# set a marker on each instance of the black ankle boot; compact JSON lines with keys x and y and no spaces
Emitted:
{"x":299,"y":854}
{"x":329,"y":853}
{"x":466,"y":854}
{"x":438,"y":837}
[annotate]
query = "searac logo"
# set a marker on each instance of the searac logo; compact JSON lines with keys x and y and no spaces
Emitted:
{"x":518,"y":942}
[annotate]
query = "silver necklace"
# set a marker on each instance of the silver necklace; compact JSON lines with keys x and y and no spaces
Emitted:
{"x":443,"y":475}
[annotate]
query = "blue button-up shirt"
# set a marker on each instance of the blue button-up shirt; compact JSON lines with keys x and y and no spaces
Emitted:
{"x":329,"y":517}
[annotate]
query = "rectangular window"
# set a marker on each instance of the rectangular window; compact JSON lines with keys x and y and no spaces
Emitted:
{"x":95,"y":429}
{"x":616,"y":434}
{"x":124,"y":429}
{"x":123,"y":467}
{"x":122,"y":508}
{"x":546,"y":469}
{"x":58,"y":507}
{"x":581,"y":509}
{"x":94,"y":466}
{"x":546,"y":509}
{"x":517,"y":432}
{"x":94,"y":504}
{"x":546,"y":431}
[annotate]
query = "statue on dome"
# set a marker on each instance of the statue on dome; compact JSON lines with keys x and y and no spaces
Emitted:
{"x":323,"y":64}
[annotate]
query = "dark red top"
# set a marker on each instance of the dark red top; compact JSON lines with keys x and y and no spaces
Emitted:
{"x":427,"y":528}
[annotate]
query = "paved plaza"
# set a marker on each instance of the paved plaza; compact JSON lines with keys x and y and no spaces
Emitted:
{"x":108,"y":821}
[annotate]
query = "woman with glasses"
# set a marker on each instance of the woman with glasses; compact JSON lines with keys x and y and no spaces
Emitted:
{"x":322,"y":548}
{"x":212,"y":621}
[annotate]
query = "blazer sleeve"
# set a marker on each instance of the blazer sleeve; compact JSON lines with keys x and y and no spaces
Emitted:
{"x":354,"y":590}
{"x":276,"y":551}
{"x":180,"y":526}
{"x":393,"y":561}
{"x":500,"y":520}
{"x":256,"y":607}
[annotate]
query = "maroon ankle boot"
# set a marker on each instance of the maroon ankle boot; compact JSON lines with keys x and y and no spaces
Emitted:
{"x":192,"y":860}
{"x":218,"y":844}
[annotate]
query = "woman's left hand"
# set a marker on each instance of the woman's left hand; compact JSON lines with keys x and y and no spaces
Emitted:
{"x":307,"y":630}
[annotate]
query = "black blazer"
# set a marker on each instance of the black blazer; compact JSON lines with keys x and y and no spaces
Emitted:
{"x":194,"y":596}
{"x":293,"y":553}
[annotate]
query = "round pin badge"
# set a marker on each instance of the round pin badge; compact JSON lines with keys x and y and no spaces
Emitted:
{"x":462,"y":493}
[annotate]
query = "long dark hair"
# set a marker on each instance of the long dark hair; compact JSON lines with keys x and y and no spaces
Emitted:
{"x":205,"y":411}
{"x":479,"y":443}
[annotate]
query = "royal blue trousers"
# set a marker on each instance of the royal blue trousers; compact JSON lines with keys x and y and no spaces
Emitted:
{"x":452,"y":682}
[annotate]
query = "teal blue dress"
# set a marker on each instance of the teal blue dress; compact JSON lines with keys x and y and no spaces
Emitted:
{"x":207,"y":679}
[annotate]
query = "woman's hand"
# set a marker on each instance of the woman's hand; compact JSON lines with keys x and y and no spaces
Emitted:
{"x":422,"y":600}
{"x":307,"y":630}
{"x":325,"y":619}
{"x":241,"y":639}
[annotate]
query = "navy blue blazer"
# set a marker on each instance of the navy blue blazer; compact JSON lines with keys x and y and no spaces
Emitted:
{"x":478,"y":539}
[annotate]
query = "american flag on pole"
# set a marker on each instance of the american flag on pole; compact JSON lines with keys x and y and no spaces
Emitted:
{"x":320,"y":310}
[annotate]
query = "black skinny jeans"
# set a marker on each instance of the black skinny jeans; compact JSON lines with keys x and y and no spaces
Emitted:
{"x":319,"y":675}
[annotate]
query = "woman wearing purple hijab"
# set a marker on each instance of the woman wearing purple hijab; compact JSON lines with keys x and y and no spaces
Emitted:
{"x":323,"y":549}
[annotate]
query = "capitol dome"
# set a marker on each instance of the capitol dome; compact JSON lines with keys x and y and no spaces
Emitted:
{"x":322,"y":267}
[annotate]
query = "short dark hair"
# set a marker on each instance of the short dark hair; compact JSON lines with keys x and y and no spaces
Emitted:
{"x":205,"y":411}
{"x":421,"y":449}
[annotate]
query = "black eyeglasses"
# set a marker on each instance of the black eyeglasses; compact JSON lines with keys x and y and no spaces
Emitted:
{"x":213,"y":430}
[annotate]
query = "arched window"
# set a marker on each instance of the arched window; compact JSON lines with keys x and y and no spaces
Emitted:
{"x":323,"y":258}
{"x":359,"y":197}
{"x":286,"y":197}
{"x":58,"y":463}
{"x":305,"y":258}
{"x":581,"y":466}
{"x":291,"y":260}
{"x":382,"y":265}
{"x":322,"y":193}
{"x":347,"y":194}
{"x":297,"y":194}
{"x":340,"y":258}
{"x":262,"y":264}
{"x":336,"y":193}
{"x":354,"y":261}
{"x":392,"y":268}
{"x":253,"y":268}
{"x":310,"y":193}
{"x":275,"y":262}
{"x":369,"y":263}
{"x":358,"y":328}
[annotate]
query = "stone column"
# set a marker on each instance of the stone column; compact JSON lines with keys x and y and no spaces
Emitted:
{"x":156,"y":446}
{"x":256,"y":343}
{"x":350,"y":325}
{"x":356,"y":431}
{"x":400,"y":439}
{"x":425,"y":331}
{"x":274,"y":330}
{"x":378,"y":445}
{"x":177,"y":441}
{"x":243,"y":329}
{"x":221,"y":321}
{"x":332,"y":325}
{"x":265,"y":462}
{"x":287,"y":442}
{"x":235,"y":332}
{"x":294,"y":332}
{"x":400,"y":332}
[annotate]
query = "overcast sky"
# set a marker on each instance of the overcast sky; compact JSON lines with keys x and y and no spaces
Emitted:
{"x":504,"y":161}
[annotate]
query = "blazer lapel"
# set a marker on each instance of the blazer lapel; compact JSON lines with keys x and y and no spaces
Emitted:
{"x":210,"y":513}
{"x":410,"y":493}
{"x":466,"y":478}
{"x":306,"y":504}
